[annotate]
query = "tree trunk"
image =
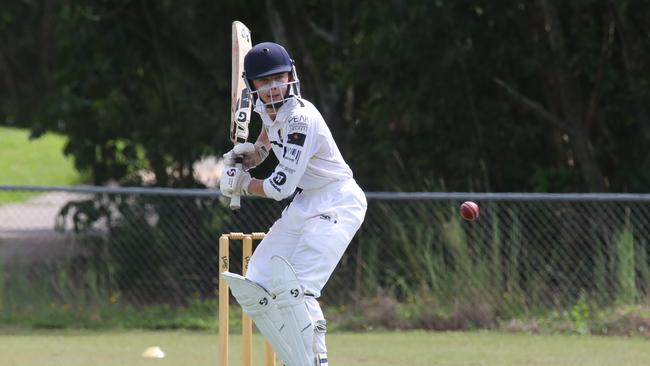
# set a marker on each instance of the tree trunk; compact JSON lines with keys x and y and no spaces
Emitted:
{"x":571,"y":102}
{"x":633,"y":61}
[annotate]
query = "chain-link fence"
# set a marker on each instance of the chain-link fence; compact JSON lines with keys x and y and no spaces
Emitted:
{"x":525,"y":254}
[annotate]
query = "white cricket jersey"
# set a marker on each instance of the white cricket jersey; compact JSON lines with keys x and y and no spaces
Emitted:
{"x":302,"y":142}
{"x":317,"y":227}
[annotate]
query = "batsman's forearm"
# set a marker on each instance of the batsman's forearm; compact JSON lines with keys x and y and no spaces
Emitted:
{"x":256,"y":188}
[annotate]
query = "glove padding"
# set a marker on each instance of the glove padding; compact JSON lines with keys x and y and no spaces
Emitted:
{"x":234,"y":182}
{"x":252,"y":154}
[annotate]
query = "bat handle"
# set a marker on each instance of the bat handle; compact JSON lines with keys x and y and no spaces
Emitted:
{"x":235,"y":201}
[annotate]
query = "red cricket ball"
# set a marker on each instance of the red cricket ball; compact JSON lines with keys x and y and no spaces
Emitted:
{"x":469,"y":210}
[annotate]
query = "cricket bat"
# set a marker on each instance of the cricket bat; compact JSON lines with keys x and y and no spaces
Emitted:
{"x":241,"y":108}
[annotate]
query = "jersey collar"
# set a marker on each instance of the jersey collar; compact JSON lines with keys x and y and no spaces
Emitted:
{"x":289,"y":103}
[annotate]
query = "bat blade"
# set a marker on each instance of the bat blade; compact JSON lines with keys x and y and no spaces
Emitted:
{"x":241,"y":106}
{"x":240,"y":113}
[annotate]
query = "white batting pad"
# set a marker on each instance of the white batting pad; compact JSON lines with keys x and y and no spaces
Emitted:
{"x":257,"y":303}
{"x":321,"y":359}
{"x":290,"y":300}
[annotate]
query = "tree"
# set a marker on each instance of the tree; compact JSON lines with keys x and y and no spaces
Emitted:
{"x":464,"y":95}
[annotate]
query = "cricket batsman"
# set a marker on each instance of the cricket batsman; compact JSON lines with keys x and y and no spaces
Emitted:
{"x":292,"y":264}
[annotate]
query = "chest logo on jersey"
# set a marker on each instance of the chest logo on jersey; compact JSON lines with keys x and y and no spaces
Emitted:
{"x":297,"y":118}
{"x":296,"y":138}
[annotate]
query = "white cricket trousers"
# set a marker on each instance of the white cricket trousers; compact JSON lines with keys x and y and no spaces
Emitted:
{"x":312,"y":234}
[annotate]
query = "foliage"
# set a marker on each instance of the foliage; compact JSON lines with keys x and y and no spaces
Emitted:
{"x":442,"y":273}
{"x":429,"y":95}
{"x":197,"y":315}
{"x":627,"y":288}
{"x":142,"y":236}
{"x":464,"y":95}
{"x":79,"y":294}
{"x":128,"y":89}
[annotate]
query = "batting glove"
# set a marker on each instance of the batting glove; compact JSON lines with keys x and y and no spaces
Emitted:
{"x":234,"y":181}
{"x":252,"y":154}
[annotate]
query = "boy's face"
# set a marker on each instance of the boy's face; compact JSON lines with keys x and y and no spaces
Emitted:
{"x":272,"y":88}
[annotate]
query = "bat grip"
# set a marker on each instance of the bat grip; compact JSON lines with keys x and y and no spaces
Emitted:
{"x":235,"y":201}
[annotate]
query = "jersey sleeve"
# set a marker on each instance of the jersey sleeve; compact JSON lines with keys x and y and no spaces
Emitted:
{"x":298,"y":147}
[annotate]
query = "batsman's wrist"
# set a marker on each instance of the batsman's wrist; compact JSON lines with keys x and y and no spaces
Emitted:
{"x":255,"y":188}
{"x":245,"y":186}
{"x":262,"y":151}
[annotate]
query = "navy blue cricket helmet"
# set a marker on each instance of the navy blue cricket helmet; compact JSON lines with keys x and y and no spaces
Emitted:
{"x":266,"y":59}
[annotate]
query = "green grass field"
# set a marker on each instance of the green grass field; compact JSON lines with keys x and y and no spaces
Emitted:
{"x":346,"y":349}
{"x":34,"y":162}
